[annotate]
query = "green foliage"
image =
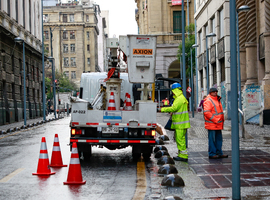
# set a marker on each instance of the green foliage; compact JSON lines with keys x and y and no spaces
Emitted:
{"x":65,"y":85}
{"x":189,"y":41}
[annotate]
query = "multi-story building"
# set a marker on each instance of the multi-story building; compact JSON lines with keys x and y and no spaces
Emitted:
{"x":163,"y":19}
{"x":70,"y":37}
{"x":20,"y":18}
{"x":254,"y":26}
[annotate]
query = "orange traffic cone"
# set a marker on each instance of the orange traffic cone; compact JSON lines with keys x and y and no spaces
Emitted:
{"x":125,"y":101}
{"x":111,"y":105}
{"x":128,"y":103}
{"x":74,"y":171}
{"x":43,"y":162}
{"x":56,"y":159}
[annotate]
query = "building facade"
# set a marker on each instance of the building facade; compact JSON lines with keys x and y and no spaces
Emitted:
{"x":163,"y":19}
{"x":20,"y":18}
{"x":213,"y":17}
{"x":70,"y":37}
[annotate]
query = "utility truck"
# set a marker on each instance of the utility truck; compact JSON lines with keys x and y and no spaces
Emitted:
{"x":103,"y":114}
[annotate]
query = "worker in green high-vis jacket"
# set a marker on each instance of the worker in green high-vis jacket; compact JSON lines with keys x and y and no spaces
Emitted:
{"x":180,"y":120}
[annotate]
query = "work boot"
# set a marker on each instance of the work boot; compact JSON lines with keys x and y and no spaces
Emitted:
{"x":177,"y":158}
{"x":214,"y":157}
{"x":223,"y":156}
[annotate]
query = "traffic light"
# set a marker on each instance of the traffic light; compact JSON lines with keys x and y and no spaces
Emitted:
{"x":46,"y":90}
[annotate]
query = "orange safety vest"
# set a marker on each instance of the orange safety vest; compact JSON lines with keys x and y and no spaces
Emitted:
{"x":213,"y":113}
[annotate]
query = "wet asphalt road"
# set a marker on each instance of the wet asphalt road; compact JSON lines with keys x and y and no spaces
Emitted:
{"x":108,"y":174}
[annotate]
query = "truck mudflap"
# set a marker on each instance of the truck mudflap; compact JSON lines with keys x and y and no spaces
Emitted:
{"x":114,"y":141}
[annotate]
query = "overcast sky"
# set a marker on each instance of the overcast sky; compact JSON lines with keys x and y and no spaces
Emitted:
{"x":121,"y":16}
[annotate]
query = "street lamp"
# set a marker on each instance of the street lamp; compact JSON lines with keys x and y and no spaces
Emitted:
{"x":191,"y":79}
{"x":243,"y":8}
{"x":51,"y":59}
{"x":20,"y":40}
{"x":207,"y":64}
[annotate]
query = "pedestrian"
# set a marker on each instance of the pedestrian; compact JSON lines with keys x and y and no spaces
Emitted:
{"x":180,"y":120}
{"x":214,"y":120}
{"x":201,"y":103}
{"x":49,"y":106}
{"x":165,"y":102}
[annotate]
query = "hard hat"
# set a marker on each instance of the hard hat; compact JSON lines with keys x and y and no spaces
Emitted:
{"x":176,"y":85}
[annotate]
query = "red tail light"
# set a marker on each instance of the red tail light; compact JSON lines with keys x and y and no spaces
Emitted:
{"x":150,"y":132}
{"x":76,"y":131}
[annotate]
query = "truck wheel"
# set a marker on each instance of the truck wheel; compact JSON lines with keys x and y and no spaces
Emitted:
{"x":146,"y":156}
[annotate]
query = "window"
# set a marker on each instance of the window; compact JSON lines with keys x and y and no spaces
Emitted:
{"x":65,"y":62}
{"x":65,"y":48}
{"x":88,"y":35}
{"x":213,"y":24}
{"x":23,"y":3}
{"x":46,"y":35}
{"x":200,"y":39}
{"x":177,"y":23}
{"x":17,"y":12}
{"x":64,"y":17}
{"x":65,"y":35}
{"x":45,"y":18}
{"x":88,"y":47}
{"x":214,"y":74}
{"x":29,"y":15}
{"x":87,"y":18}
{"x":221,"y":23}
{"x":37,"y":74}
{"x":72,"y":34}
{"x":8,"y":7}
{"x":32,"y":73}
{"x":72,"y":47}
{"x":88,"y":61}
{"x":66,"y":73}
{"x":73,"y":75}
{"x":71,"y":18}
{"x":46,"y":49}
{"x":73,"y":62}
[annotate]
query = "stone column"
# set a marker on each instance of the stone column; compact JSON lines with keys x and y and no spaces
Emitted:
{"x":251,"y":45}
{"x":266,"y":79}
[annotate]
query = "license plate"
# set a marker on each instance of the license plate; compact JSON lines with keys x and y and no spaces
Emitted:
{"x":110,"y":130}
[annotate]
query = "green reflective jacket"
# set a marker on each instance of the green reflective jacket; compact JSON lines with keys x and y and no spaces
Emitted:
{"x":180,"y":117}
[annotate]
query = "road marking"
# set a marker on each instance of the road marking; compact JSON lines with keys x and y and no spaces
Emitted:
{"x":141,"y":181}
{"x":8,"y":177}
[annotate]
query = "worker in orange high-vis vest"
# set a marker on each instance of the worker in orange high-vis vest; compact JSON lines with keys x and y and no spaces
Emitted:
{"x":165,"y":102}
{"x":214,"y":120}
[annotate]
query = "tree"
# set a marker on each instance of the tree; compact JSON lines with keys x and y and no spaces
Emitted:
{"x":65,"y":85}
{"x":189,"y":41}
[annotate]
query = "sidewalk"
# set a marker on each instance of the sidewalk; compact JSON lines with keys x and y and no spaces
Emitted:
{"x":4,"y":129}
{"x":212,"y":179}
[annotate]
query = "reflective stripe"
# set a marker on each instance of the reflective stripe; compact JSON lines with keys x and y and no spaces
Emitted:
{"x":181,"y":122}
{"x":213,"y":104}
{"x":43,"y":146}
{"x":56,"y":148}
{"x":74,"y":161}
{"x":212,"y":117}
{"x":183,"y":152}
{"x":56,"y":139}
{"x":74,"y":150}
{"x":209,"y":121}
{"x":179,"y":113}
{"x":219,"y":122}
{"x":207,"y":111}
{"x":43,"y":156}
